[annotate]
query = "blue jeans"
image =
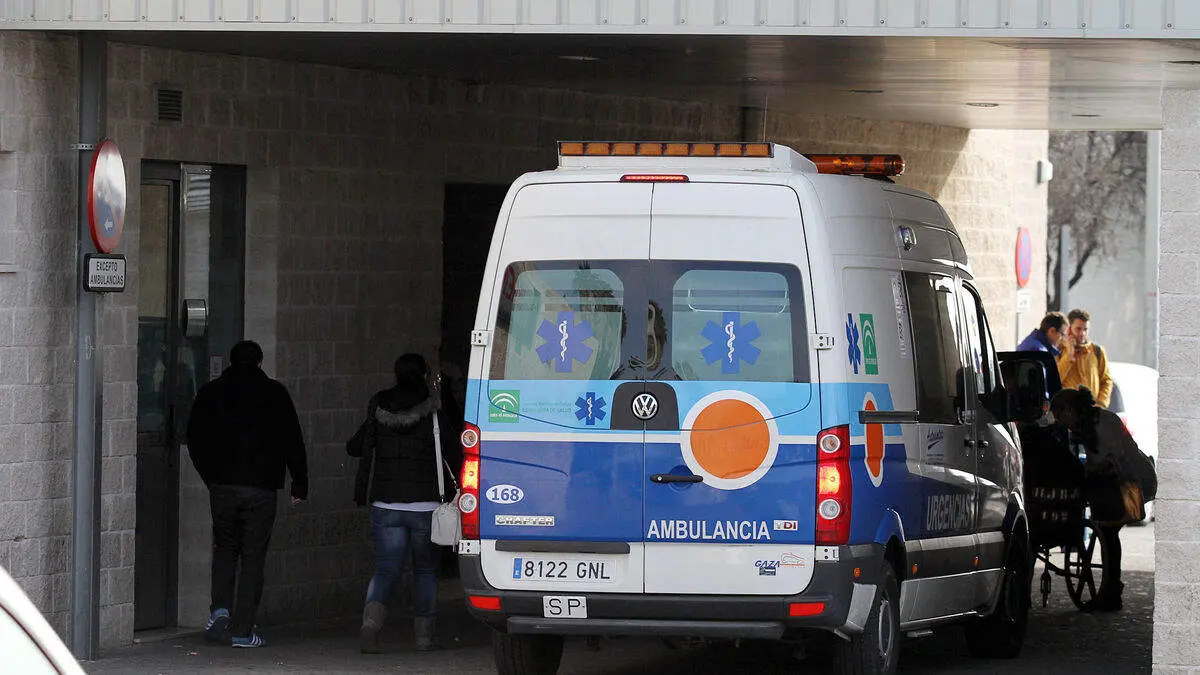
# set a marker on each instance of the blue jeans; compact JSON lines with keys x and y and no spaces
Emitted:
{"x":393,"y":533}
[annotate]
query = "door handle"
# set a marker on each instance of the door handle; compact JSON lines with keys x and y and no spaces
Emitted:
{"x":663,"y":478}
{"x":985,"y":444}
{"x":970,"y":442}
{"x":195,"y":317}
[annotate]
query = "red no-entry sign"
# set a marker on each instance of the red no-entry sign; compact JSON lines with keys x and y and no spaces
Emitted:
{"x":1023,"y":256}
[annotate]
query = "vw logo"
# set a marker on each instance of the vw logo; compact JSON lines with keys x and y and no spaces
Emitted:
{"x":645,"y":406}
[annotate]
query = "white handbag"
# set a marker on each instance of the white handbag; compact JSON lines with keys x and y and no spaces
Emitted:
{"x":447,"y":520}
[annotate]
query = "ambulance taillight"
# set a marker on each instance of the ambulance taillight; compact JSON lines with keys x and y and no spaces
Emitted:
{"x":468,"y":500}
{"x":833,"y":486}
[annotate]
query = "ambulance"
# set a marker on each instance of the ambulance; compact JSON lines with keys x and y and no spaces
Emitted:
{"x":728,"y":391}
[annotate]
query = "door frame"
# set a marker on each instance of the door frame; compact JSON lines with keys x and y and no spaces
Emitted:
{"x":224,"y":290}
{"x":169,"y":175}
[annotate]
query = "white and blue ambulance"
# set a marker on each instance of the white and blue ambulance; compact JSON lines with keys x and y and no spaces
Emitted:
{"x":724,"y":390}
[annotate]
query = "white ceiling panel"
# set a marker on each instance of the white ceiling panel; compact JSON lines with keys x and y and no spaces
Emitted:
{"x":1032,"y":64}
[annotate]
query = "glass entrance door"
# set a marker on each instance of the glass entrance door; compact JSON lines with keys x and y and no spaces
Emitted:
{"x":189,"y":269}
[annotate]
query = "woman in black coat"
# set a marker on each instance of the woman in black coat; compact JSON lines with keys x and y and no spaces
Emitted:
{"x":1113,"y":458}
{"x":398,"y":477}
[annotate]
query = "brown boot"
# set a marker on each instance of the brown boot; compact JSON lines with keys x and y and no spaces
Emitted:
{"x":425,"y":629}
{"x":368,"y":635}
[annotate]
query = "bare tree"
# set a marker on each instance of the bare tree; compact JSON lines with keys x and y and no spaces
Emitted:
{"x":1099,"y":191}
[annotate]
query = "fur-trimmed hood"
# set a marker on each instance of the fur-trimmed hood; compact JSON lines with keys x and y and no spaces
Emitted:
{"x":407,"y":417}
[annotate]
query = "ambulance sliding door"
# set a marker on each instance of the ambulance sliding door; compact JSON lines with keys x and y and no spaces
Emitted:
{"x":995,"y":475}
{"x":940,"y":512}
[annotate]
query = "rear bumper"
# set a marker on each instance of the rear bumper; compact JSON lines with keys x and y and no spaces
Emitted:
{"x":847,"y":602}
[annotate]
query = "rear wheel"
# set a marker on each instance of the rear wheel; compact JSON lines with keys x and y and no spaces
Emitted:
{"x":876,"y":650}
{"x":1084,"y":567}
{"x":527,"y":654}
{"x":1001,"y":634}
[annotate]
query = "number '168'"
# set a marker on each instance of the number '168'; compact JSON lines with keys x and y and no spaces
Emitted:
{"x":505,"y":494}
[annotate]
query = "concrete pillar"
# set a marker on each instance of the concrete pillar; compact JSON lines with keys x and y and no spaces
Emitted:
{"x":1177,"y":509}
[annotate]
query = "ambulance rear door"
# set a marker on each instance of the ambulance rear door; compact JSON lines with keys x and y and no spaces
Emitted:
{"x":561,"y":487}
{"x":730,"y":476}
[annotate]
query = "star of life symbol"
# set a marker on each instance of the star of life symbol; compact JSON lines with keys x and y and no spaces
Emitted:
{"x":852,"y":351}
{"x":589,"y":408}
{"x":731,"y":343}
{"x":564,"y":342}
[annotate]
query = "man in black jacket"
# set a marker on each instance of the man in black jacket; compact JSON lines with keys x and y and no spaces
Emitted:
{"x":242,"y":436}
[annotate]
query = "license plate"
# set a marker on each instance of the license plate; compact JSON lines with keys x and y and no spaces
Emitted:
{"x":551,"y":569}
{"x":564,"y":606}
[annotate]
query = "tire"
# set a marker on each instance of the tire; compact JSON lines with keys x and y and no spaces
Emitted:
{"x":1084,"y":564}
{"x":1000,"y":635}
{"x":877,"y":649}
{"x":527,"y":654}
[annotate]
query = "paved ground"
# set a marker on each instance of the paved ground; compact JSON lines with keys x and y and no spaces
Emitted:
{"x":1060,"y":640}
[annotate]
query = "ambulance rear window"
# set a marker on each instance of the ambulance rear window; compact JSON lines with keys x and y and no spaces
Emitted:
{"x":734,"y":321}
{"x":559,"y":321}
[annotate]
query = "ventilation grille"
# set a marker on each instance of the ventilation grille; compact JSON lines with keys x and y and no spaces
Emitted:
{"x":170,"y":105}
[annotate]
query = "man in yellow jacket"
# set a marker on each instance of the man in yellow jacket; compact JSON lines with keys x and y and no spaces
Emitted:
{"x":1083,"y":362}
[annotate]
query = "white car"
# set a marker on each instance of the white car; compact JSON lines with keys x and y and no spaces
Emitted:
{"x":28,"y":644}
{"x":1135,"y":400}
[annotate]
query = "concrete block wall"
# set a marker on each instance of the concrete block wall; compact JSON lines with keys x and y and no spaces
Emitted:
{"x":1177,"y":509}
{"x":985,"y":179}
{"x":345,"y":175}
{"x":344,"y":216}
{"x":38,"y":122}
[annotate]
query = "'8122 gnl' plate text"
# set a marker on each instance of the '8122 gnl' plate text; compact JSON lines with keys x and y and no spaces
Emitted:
{"x":551,"y":569}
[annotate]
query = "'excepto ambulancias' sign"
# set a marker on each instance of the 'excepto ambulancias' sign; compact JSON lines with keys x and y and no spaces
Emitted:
{"x":104,"y":273}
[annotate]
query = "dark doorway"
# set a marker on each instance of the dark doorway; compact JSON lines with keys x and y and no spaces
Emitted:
{"x":190,"y":253}
{"x":471,"y":211}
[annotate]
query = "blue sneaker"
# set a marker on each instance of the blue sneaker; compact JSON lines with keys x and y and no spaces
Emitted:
{"x":249,"y":641}
{"x":217,"y":627}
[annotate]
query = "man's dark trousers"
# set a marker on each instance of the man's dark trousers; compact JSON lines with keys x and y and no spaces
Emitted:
{"x":243,"y":518}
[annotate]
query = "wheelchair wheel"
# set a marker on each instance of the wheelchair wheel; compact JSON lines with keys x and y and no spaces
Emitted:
{"x":1083,"y":567}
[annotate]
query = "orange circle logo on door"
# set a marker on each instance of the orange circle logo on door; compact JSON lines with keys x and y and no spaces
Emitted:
{"x":729,"y":438}
{"x":874,"y":456}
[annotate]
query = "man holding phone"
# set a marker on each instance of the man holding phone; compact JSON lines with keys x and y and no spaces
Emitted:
{"x":1083,"y":362}
{"x":1048,"y":336}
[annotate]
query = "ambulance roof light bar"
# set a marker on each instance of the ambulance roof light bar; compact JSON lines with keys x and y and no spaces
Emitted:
{"x":859,"y":165}
{"x":656,"y":149}
{"x":875,"y":166}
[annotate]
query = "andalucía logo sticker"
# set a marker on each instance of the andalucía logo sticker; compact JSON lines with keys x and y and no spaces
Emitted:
{"x":870,"y":353}
{"x":506,"y":406}
{"x":874,"y":455}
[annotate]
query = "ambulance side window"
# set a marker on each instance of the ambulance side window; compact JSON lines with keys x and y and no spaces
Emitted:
{"x":933,"y":308}
{"x":975,"y":342}
{"x":560,"y":321}
{"x":984,"y":350}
